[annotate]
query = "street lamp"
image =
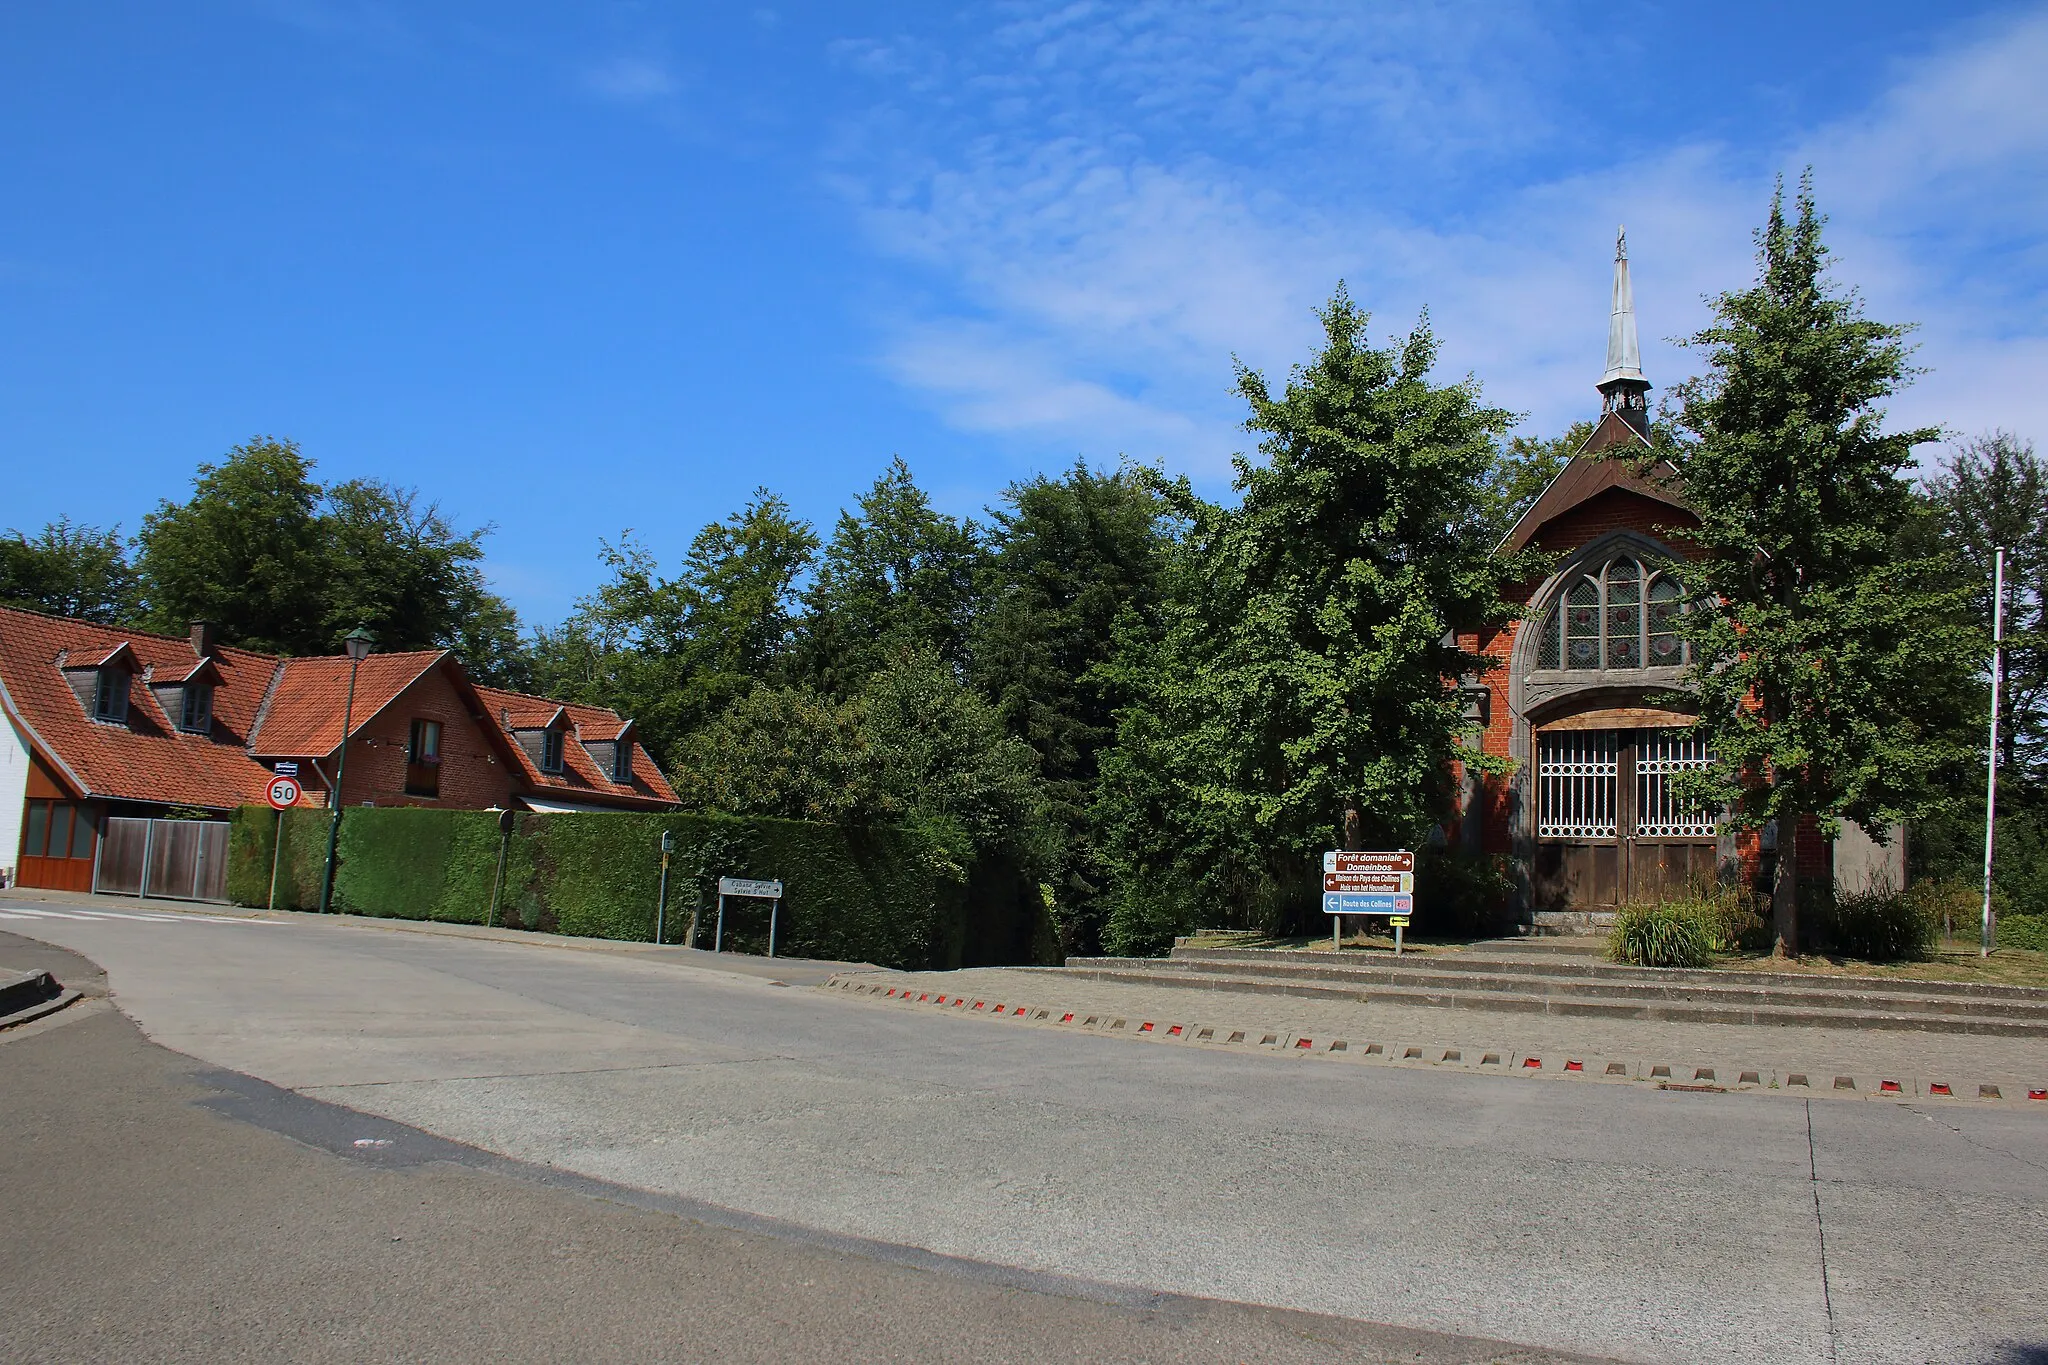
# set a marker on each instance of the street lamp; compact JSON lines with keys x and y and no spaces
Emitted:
{"x":357,"y":642}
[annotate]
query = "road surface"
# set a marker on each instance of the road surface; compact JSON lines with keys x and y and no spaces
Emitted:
{"x":1605,"y":1220}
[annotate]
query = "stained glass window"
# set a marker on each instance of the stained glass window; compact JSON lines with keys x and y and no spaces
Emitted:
{"x":1607,"y":620}
{"x":1666,"y":649}
{"x":1582,"y":625}
{"x":1624,"y":614}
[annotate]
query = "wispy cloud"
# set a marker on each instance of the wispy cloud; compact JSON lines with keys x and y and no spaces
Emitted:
{"x":1101,"y":207}
{"x":631,"y":80}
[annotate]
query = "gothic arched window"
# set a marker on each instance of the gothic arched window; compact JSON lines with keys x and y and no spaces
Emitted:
{"x":1613,"y":615}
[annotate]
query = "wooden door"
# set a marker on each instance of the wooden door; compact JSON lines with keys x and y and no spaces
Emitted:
{"x":57,"y":843}
{"x":1579,"y":864}
{"x":1610,"y":827}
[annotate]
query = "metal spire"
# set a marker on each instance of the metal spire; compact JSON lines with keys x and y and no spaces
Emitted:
{"x":1624,"y":352}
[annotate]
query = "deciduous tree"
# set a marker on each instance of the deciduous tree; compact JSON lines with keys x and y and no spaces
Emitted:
{"x":1834,"y":677}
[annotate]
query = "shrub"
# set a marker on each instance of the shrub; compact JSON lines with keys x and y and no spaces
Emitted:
{"x":1674,"y":934}
{"x":878,"y":894}
{"x":2024,"y":931}
{"x":1730,"y":917}
{"x":1459,"y":894}
{"x":1879,"y":925}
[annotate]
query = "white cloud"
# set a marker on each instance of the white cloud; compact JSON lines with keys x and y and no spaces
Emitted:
{"x":1095,"y":273}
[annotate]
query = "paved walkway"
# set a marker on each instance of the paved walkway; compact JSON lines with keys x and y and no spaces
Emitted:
{"x":1871,"y":1057}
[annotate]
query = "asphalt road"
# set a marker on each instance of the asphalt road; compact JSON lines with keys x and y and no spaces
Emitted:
{"x":1604,"y":1220}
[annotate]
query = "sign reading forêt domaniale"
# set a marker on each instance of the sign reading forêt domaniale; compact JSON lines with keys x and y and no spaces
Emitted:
{"x":1380,"y":882}
{"x":1349,"y":860}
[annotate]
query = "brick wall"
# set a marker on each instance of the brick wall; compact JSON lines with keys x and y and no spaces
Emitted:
{"x":472,"y":776}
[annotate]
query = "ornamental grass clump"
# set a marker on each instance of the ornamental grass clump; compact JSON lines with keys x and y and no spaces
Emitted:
{"x":1669,"y":935}
{"x":1880,"y":925}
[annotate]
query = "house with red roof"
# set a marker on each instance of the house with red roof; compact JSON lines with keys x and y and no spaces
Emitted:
{"x":108,"y":731}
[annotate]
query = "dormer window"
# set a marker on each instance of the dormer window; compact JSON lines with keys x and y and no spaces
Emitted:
{"x":195,"y":710}
{"x":622,"y":761}
{"x":110,"y":695}
{"x":551,"y":751}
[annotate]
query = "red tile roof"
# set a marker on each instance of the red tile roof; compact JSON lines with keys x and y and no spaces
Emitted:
{"x":263,"y":708}
{"x":145,"y":758}
{"x":581,"y":776}
{"x":305,"y":713}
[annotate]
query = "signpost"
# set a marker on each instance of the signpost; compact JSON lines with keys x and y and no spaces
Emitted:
{"x":770,"y":891}
{"x":1362,"y":883}
{"x":668,"y":846}
{"x":283,"y":794}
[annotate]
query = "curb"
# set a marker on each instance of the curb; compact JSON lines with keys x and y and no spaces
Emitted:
{"x":1551,"y":1064}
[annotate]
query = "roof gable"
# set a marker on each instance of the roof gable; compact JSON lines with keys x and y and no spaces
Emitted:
{"x":1585,"y":477}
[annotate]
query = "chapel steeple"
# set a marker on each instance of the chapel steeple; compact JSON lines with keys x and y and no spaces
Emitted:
{"x":1623,"y":390}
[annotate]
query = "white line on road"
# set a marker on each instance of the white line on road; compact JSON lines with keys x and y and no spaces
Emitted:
{"x":24,"y":912}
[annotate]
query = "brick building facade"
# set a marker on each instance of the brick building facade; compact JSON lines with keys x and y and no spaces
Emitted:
{"x":108,"y":731}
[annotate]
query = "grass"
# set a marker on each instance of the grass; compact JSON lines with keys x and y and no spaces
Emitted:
{"x":1950,"y":962}
{"x":1250,"y":940}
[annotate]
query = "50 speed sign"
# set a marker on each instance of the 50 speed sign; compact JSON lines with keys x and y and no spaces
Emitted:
{"x":284,"y":791}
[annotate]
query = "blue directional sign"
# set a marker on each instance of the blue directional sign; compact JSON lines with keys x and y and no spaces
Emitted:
{"x":1367,"y":903}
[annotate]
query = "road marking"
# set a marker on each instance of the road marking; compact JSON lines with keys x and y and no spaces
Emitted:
{"x":145,"y":916}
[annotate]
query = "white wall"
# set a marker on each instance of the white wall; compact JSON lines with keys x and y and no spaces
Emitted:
{"x":1863,"y":864}
{"x":13,"y":795}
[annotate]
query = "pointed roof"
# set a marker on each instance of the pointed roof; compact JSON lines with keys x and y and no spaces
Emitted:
{"x":1624,"y":350}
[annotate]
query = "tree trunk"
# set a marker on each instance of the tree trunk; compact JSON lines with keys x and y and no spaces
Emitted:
{"x":1354,"y":829}
{"x":1785,"y":891}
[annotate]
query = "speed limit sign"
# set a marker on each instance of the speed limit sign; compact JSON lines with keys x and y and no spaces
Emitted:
{"x":284,"y":791}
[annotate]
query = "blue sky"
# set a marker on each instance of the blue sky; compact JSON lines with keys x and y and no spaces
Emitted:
{"x":570,"y":269}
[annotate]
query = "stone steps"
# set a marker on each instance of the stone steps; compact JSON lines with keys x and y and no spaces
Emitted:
{"x":1566,"y":988}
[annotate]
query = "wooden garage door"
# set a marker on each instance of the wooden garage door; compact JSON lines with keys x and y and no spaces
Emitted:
{"x":57,"y":841}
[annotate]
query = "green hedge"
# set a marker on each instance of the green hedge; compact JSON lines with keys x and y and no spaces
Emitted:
{"x":857,"y":895}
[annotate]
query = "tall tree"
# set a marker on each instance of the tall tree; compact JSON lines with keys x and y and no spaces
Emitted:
{"x":69,"y":570}
{"x":673,"y":652}
{"x":1834,"y":677}
{"x":1301,"y":691}
{"x":246,"y":552}
{"x":1988,"y":493}
{"x":898,"y":576}
{"x":1069,"y":557}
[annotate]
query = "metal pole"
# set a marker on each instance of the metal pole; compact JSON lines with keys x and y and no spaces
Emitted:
{"x":348,"y":716}
{"x":276,"y":853}
{"x":661,"y":906}
{"x":1991,"y":780}
{"x":718,"y":936}
{"x":1397,"y":939}
{"x":498,"y":883}
{"x":774,"y":907}
{"x":1337,"y":934}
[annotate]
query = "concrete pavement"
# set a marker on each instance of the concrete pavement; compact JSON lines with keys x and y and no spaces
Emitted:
{"x":159,"y":1210}
{"x":1608,"y":1221}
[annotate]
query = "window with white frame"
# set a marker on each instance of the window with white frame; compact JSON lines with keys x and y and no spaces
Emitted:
{"x":1620,"y":614}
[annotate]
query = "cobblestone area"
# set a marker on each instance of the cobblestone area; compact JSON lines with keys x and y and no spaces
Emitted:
{"x":1915,"y":1061}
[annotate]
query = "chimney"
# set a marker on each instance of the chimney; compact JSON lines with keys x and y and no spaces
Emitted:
{"x":204,"y":637}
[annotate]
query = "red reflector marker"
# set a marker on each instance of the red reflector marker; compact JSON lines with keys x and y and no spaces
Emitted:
{"x":1938,"y":1088}
{"x":923,"y":996}
{"x":1145,"y":1027}
{"x":892,"y":990}
{"x":1535,"y":1062}
{"x":1304,"y":1042}
{"x":1888,"y":1087}
{"x":1066,"y":1018}
{"x":1574,"y":1066}
{"x":1172,"y":1031}
{"x":942,"y":1000}
{"x":2037,"y":1094}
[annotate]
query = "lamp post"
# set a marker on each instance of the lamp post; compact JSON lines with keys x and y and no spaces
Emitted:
{"x":358,"y":642}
